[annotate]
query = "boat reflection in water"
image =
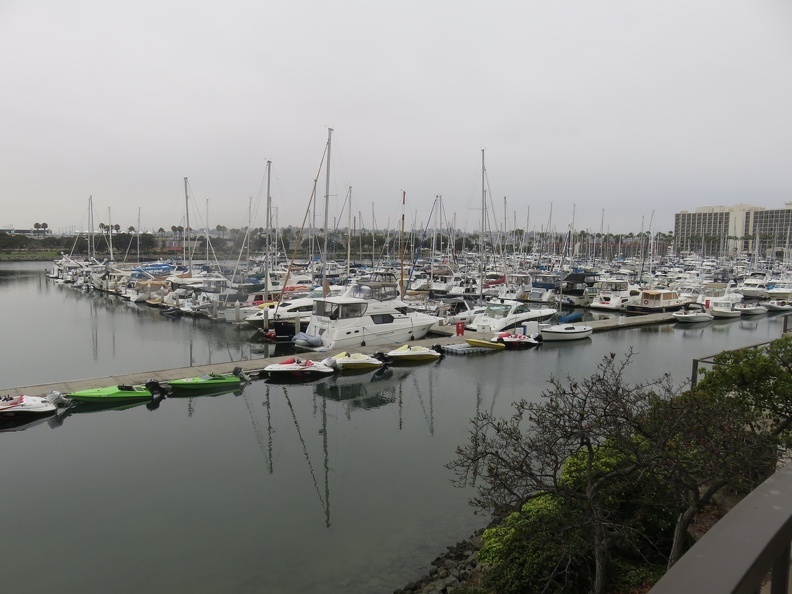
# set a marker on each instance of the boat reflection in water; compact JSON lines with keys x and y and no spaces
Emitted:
{"x":358,"y":393}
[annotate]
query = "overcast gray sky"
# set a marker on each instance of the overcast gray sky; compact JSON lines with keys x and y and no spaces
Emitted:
{"x":610,"y":110}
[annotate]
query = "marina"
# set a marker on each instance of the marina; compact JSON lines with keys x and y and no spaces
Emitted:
{"x":335,"y":485}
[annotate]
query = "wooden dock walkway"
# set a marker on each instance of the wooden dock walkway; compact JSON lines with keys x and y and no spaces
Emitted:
{"x":441,"y":334}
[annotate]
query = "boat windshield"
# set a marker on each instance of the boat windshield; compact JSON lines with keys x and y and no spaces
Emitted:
{"x":498,"y":310}
{"x":338,"y":311}
{"x":378,"y":291}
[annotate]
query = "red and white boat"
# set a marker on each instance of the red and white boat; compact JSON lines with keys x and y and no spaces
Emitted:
{"x":24,"y":406}
{"x":518,"y":341}
{"x":295,"y":369}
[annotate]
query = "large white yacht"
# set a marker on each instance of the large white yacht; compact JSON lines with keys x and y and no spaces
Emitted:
{"x":369,"y":313}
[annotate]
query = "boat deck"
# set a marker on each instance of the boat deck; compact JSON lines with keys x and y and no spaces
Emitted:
{"x":440,"y":334}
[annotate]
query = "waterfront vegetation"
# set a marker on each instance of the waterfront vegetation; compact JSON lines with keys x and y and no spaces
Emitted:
{"x":363,"y":244}
{"x":603,"y":484}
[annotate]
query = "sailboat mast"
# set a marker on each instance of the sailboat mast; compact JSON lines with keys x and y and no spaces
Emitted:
{"x":268,"y":219}
{"x":481,"y":238}
{"x":186,"y":258}
{"x":110,"y":232}
{"x":326,"y":212}
{"x":349,"y":231}
{"x":91,"y":244}
{"x":401,"y":247}
{"x":138,"y":236}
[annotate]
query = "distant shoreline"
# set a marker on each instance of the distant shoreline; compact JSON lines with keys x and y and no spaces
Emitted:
{"x":27,"y":257}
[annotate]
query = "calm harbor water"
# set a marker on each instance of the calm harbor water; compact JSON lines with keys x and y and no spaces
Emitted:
{"x":337,"y":486}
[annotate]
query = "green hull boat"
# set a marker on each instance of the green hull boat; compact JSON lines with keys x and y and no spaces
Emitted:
{"x":113,"y":394}
{"x":212,"y":382}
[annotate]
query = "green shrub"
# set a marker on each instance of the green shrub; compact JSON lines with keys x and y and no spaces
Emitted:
{"x":541,"y":548}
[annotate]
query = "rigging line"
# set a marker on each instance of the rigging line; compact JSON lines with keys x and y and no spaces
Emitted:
{"x":302,"y":227}
{"x":304,"y":447}
{"x":417,"y":253}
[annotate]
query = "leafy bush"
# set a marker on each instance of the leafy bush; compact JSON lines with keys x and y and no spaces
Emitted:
{"x":541,"y":548}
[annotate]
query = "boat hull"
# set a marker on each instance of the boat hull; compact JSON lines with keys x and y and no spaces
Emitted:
{"x":485,"y":344}
{"x":113,"y":395}
{"x":565,"y":332}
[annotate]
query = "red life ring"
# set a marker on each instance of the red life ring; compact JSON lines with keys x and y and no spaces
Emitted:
{"x":646,"y":302}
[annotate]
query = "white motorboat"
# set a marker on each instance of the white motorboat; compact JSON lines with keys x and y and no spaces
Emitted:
{"x":778,"y":305}
{"x":614,"y":294}
{"x":692,"y":316}
{"x":24,"y":406}
{"x":506,"y":314}
{"x":369,"y":313}
{"x":656,"y":301}
{"x":750,"y":309}
{"x":344,"y":361}
{"x":754,"y":287}
{"x":296,"y":369}
{"x":565,"y":332}
{"x":723,"y":309}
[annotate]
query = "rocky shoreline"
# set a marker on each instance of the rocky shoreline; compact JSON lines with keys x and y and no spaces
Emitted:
{"x":458,"y":566}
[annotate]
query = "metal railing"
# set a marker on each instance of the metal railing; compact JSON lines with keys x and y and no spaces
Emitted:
{"x":742,"y":548}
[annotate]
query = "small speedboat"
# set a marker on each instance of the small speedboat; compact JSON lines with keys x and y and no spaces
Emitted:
{"x":750,"y":309}
{"x":411,"y":354}
{"x":296,"y":369}
{"x":344,"y":361}
{"x":692,"y":316}
{"x":24,"y":406}
{"x":116,"y":394}
{"x":778,"y":305}
{"x":518,"y":341}
{"x":486,"y":344}
{"x":209,"y":382}
{"x":565,"y":332}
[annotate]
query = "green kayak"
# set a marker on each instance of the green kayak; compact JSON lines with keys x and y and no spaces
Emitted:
{"x":114,"y":394}
{"x":210,"y":382}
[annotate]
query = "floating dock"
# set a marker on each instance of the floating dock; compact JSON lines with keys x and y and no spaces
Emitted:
{"x":440,"y":334}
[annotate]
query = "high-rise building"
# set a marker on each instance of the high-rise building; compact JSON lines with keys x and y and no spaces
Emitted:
{"x":728,"y":230}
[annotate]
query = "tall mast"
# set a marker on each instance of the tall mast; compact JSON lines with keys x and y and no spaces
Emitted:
{"x":326,"y":212}
{"x":110,"y":220}
{"x":91,"y":243}
{"x":349,"y":231}
{"x":138,"y":236}
{"x":481,"y":239}
{"x":401,"y":247}
{"x":187,"y":226}
{"x":268,"y":218}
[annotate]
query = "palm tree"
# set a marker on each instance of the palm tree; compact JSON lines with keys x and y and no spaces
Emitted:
{"x":131,"y":229}
{"x":44,"y":228}
{"x":37,"y":227}
{"x":160,"y":230}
